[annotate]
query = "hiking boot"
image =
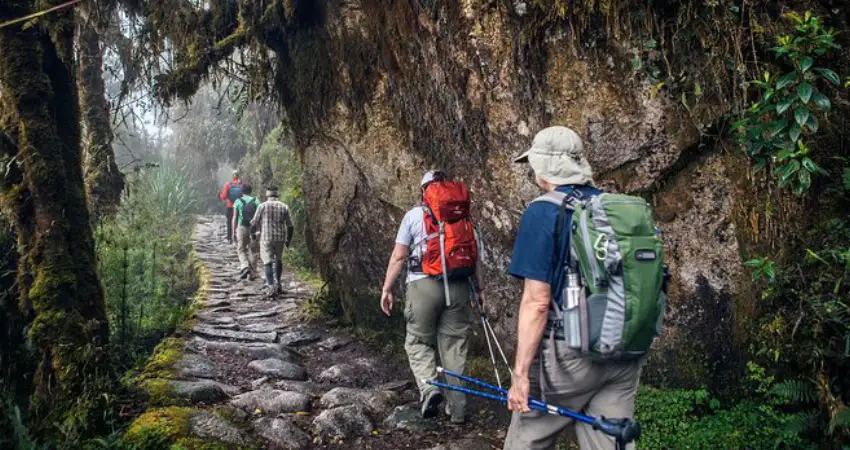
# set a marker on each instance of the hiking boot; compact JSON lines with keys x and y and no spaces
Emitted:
{"x":246,"y":274}
{"x":431,"y":403}
{"x":455,"y":420}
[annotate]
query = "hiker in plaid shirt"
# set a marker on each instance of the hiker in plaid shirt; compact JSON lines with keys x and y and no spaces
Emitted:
{"x":270,"y":219}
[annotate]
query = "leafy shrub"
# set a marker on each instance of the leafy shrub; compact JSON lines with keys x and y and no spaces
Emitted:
{"x":692,"y":419}
{"x":776,"y":131}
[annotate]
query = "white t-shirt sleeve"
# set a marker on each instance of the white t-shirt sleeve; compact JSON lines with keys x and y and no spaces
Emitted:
{"x":405,"y":232}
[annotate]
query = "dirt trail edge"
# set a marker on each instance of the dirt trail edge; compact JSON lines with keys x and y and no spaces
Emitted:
{"x":249,"y":373}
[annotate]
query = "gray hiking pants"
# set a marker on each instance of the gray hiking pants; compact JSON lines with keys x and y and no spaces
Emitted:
{"x":592,"y":388}
{"x":433,"y":328}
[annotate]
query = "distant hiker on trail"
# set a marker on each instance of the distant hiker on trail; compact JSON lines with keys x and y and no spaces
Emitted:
{"x":435,"y":323}
{"x":247,"y":247}
{"x":271,"y":218}
{"x":580,"y":345}
{"x":231,"y":191}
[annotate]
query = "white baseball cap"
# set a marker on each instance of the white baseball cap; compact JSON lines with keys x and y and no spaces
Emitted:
{"x":428,"y":177}
{"x":557,"y":156}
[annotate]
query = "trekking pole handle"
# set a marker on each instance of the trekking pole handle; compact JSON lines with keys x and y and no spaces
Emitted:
{"x":623,"y":430}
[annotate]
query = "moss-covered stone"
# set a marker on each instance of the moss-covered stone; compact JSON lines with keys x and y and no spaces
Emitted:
{"x":170,"y":428}
{"x":162,"y":361}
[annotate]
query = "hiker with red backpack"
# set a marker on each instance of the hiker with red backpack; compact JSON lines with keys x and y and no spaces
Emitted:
{"x":439,"y":245}
{"x":231,"y":192}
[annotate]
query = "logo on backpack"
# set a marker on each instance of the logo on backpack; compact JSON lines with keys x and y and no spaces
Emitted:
{"x":248,"y":211}
{"x":615,"y":292}
{"x":234,"y":191}
{"x":451,"y":251}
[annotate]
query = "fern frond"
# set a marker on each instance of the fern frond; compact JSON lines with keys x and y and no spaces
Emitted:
{"x":802,"y":421}
{"x":795,"y":391}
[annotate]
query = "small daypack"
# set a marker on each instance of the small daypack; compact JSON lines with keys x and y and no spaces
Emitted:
{"x":248,"y":211}
{"x":234,"y":191}
{"x":618,"y":257}
{"x":451,"y":251}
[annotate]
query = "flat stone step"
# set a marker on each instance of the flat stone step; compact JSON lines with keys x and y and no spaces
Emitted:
{"x":300,"y":338}
{"x":277,"y":368}
{"x":245,"y":336}
{"x":272,"y":402}
{"x":258,"y":315}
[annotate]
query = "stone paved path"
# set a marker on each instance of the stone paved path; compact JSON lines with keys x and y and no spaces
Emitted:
{"x":258,"y":376}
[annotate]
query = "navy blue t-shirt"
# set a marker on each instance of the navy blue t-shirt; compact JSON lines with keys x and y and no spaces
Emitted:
{"x":534,"y":255}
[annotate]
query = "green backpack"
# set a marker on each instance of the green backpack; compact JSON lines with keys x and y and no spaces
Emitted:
{"x":614,"y":306}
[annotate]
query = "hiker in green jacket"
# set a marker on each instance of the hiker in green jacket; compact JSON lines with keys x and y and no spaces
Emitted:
{"x":247,"y":248}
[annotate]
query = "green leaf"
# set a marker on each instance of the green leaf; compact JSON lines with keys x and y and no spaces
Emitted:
{"x":845,"y":179}
{"x":804,"y":178}
{"x":783,"y":105}
{"x":806,"y":64}
{"x":821,"y":101}
{"x":786,"y":79}
{"x":812,"y":124}
{"x":830,"y":76}
{"x":777,"y":126}
{"x":801,"y":115}
{"x":757,"y":262}
{"x":805,"y":90}
{"x":789,"y":170}
{"x":769,"y":272}
{"x":812,"y":167}
{"x":739,"y":124}
{"x":795,"y":133}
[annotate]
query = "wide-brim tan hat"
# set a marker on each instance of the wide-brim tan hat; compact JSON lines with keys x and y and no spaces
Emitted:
{"x":557,"y":156}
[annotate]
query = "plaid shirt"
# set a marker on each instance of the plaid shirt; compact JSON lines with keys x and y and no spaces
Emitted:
{"x":270,"y":218}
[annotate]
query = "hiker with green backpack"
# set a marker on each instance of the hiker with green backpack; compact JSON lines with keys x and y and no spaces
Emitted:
{"x":593,"y":298}
{"x":247,"y":246}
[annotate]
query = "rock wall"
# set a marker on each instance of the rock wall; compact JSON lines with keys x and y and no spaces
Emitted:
{"x":463,"y":86}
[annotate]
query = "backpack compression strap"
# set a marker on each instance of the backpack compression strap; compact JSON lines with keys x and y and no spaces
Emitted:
{"x":567,"y":202}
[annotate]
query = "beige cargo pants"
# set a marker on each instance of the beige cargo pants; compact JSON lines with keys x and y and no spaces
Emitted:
{"x":247,"y":249}
{"x":592,"y":388}
{"x":433,"y":328}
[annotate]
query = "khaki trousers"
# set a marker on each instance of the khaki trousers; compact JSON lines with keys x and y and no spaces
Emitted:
{"x":434,"y":328}
{"x":272,"y":252}
{"x":593,"y":388}
{"x":248,"y":249}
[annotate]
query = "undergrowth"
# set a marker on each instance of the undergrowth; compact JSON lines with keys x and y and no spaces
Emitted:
{"x":144,"y":254}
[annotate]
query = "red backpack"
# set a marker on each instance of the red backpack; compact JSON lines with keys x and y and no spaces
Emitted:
{"x":451,"y":251}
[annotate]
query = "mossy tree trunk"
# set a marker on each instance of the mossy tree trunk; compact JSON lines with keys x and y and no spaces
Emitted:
{"x":104,"y":181}
{"x":57,"y":276}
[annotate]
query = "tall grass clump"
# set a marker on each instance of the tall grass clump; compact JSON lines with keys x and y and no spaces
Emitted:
{"x":145,"y":259}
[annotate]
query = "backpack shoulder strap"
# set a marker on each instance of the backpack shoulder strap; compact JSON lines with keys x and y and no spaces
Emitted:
{"x":554,"y":197}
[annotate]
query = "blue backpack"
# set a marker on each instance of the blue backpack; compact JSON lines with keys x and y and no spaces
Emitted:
{"x":234,"y":192}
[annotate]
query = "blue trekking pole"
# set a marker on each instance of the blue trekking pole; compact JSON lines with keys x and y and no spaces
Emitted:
{"x":622,"y":430}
